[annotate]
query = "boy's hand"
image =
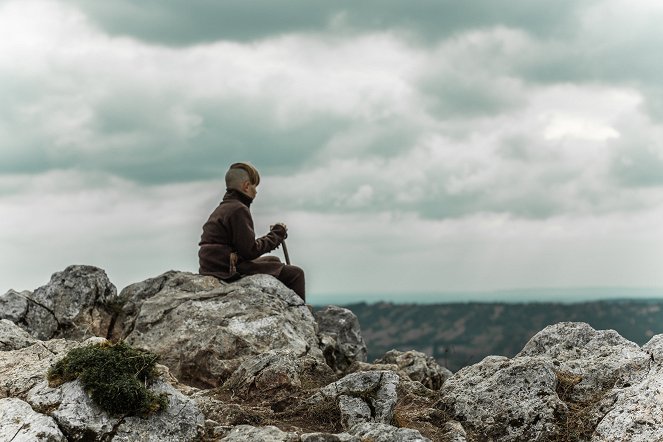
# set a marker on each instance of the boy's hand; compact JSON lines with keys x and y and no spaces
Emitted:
{"x":279,"y":226}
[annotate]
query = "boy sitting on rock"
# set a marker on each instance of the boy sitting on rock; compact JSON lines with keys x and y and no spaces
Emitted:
{"x":228,"y":246}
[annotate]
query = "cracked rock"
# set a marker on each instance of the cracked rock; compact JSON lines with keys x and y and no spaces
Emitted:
{"x":13,"y":337}
{"x":204,"y":329}
{"x":19,"y":422}
{"x":340,"y":336}
{"x":376,"y":389}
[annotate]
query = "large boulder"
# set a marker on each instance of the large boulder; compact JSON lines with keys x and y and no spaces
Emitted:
{"x":506,"y":399}
{"x":601,"y":359}
{"x":77,"y":303}
{"x":204,"y":329}
{"x":340,"y":337}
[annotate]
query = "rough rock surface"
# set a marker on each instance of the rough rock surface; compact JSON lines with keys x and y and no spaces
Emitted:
{"x":637,"y":414}
{"x":340,"y":336}
{"x":418,"y":367}
{"x":506,"y":399}
{"x":276,"y":373}
{"x":204,"y":329}
{"x":247,"y":433}
{"x":364,"y":396}
{"x":75,"y":304}
{"x":19,"y":422}
{"x":14,"y":305}
{"x":601,"y":358}
{"x":377,"y":432}
{"x":23,"y":376}
{"x":13,"y":337}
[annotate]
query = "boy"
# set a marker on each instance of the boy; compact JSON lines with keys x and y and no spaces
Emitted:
{"x":228,"y":246}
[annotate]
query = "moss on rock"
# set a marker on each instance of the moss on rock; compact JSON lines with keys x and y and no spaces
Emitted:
{"x":114,"y":375}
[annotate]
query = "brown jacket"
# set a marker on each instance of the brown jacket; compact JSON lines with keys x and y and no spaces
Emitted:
{"x":228,"y":245}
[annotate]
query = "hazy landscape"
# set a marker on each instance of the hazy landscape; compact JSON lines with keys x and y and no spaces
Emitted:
{"x":460,"y":334}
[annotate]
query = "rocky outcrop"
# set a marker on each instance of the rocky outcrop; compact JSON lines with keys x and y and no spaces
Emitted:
{"x":77,"y":303}
{"x":204,"y":329}
{"x":340,"y":337}
{"x":257,"y":365}
{"x":69,"y":409}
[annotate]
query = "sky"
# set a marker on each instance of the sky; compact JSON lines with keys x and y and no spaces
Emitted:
{"x":413,"y":148}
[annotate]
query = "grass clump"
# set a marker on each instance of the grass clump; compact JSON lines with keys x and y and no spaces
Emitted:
{"x":114,"y":375}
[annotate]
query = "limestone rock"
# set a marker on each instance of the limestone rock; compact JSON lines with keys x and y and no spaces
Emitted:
{"x":132,"y":297}
{"x":506,"y":399}
{"x":275,"y":373}
{"x":247,"y":433}
{"x":23,"y":369}
{"x":378,"y":432}
{"x":326,"y":437}
{"x":75,"y":304}
{"x":602,"y":359}
{"x":418,"y":367}
{"x":13,"y":337}
{"x":376,"y":389}
{"x":19,"y":422}
{"x":204,"y":334}
{"x":80,"y":418}
{"x":454,"y":432}
{"x":14,"y":305}
{"x":636,"y":416}
{"x":340,"y":335}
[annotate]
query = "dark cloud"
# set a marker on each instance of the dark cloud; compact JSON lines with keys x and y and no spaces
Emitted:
{"x":180,"y":22}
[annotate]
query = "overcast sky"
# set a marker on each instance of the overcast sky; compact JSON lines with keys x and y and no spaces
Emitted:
{"x":412,"y":147}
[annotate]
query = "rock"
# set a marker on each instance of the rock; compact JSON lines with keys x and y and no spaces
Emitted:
{"x":247,"y":433}
{"x":454,"y":432}
{"x":204,"y":334}
{"x":636,"y":416}
{"x":506,"y":399}
{"x":13,"y":337}
{"x":75,"y":304}
{"x":132,"y":297}
{"x":418,"y":367}
{"x":23,"y":375}
{"x":376,"y":389}
{"x":276,"y":373}
{"x":23,"y":369}
{"x":340,"y":336}
{"x":377,"y":432}
{"x":80,"y":418}
{"x":14,"y":305}
{"x":602,"y":359}
{"x":19,"y":422}
{"x":327,"y":437}
{"x":353,"y":410}
{"x":181,"y":421}
{"x":637,"y":412}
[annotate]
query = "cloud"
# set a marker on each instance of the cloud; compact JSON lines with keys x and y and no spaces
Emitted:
{"x":177,"y":22}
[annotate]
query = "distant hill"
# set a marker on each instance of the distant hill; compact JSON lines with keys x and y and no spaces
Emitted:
{"x":463,"y":334}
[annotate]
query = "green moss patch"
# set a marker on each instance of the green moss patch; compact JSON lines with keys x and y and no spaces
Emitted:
{"x":114,"y":375}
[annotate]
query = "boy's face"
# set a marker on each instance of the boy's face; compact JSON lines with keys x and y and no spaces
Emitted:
{"x":249,"y":189}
